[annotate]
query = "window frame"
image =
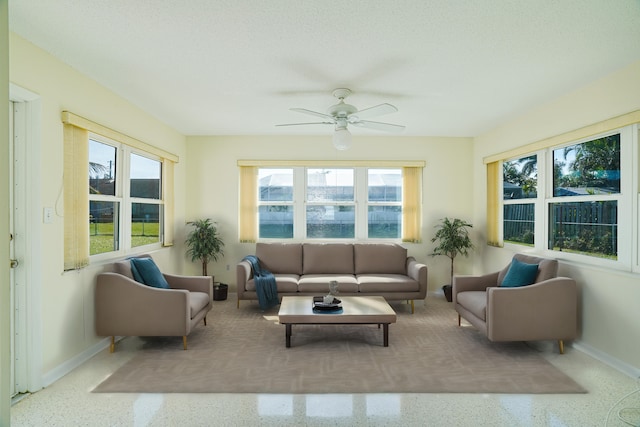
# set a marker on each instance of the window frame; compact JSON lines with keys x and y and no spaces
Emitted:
{"x":628,"y":202}
{"x":300,"y":203}
{"x":538,"y":211}
{"x":122,"y":196}
{"x":623,"y":199}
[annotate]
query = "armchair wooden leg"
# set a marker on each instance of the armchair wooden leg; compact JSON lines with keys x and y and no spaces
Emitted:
{"x":561,"y":346}
{"x":238,"y":303}
{"x":205,"y":320}
{"x":112,"y":346}
{"x":459,"y":320}
{"x":412,"y":307}
{"x":184,"y":342}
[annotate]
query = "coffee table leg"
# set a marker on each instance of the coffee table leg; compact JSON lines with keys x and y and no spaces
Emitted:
{"x":385,"y":332}
{"x":288,"y":334}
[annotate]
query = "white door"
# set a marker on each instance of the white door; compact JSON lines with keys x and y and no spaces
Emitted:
{"x":17,"y":224}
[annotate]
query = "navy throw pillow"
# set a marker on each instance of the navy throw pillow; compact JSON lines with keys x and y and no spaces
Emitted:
{"x":146,"y":271}
{"x":520,"y":274}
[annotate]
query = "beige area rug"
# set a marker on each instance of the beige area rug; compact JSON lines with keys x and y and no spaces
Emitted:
{"x":243,"y":351}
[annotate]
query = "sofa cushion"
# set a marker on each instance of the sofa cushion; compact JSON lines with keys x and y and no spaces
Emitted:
{"x":475,"y":302}
{"x":319,"y":283}
{"x":327,"y":258}
{"x":146,"y":271}
{"x":284,"y":283}
{"x":370,"y":283}
{"x":386,"y":258}
{"x":280,"y":257}
{"x":520,"y":274}
{"x":197,"y":301}
{"x":547,"y":268}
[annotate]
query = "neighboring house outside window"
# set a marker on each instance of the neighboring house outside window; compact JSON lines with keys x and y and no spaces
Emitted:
{"x":329,"y":203}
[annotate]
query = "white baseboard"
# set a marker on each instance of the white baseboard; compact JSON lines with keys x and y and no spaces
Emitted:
{"x":607,"y":359}
{"x":60,"y":371}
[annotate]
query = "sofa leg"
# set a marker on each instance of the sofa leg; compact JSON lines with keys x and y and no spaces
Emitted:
{"x":112,"y":346}
{"x":184,"y":342}
{"x":412,"y":307}
{"x":205,"y":320}
{"x":238,"y":303}
{"x":561,"y":346}
{"x":459,"y":320}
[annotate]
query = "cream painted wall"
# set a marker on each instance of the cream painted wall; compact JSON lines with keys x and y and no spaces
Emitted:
{"x":67,"y":311}
{"x":212,"y":184}
{"x":609,"y":300}
{"x":5,"y":305}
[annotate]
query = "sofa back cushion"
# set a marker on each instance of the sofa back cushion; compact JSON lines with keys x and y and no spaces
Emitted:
{"x":327,"y":258}
{"x":280,"y":258}
{"x":383,"y":258}
{"x":547,"y":268}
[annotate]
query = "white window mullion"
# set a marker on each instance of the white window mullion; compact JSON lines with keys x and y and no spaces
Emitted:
{"x":361,"y":201}
{"x":125,"y":206}
{"x":299,"y":203}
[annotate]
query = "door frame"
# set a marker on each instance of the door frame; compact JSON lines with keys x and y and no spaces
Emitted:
{"x":30,"y":332}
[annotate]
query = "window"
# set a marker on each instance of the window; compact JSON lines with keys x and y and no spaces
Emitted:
{"x":583,"y":214}
{"x":108,"y":200}
{"x":275,"y":203}
{"x":384,"y":196}
{"x":104,"y":204}
{"x":145,"y":193}
{"x":519,"y":194}
{"x":330,"y":203}
{"x":576,"y":205}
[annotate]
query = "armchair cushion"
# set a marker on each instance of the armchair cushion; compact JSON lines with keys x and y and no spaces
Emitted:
{"x":146,"y":271}
{"x":520,"y":274}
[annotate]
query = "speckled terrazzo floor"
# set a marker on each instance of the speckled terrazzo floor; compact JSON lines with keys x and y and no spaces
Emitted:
{"x":613,"y":399}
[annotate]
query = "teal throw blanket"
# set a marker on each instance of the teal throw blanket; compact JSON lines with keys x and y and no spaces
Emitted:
{"x":265,"y":283}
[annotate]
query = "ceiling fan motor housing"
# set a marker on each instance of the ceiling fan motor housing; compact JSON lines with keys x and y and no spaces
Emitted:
{"x":341,"y":110}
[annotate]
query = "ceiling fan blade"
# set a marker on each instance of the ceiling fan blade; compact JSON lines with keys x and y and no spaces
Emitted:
{"x":314,"y":123}
{"x":376,"y":110}
{"x":312,"y":113}
{"x":387,"y":127}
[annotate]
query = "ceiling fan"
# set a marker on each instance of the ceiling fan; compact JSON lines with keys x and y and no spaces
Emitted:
{"x":342,"y":114}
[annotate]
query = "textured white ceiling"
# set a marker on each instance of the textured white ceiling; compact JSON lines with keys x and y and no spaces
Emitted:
{"x":220,"y":67}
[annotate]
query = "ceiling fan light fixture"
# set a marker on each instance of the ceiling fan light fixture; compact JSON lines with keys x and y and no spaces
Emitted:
{"x":342,"y":138}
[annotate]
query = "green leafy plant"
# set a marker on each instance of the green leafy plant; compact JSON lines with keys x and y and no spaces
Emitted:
{"x":453,"y":239}
{"x":204,"y":243}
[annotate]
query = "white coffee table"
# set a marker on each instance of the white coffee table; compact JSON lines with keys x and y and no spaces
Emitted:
{"x":298,"y":310}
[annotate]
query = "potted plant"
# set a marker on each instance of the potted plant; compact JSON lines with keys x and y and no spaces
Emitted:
{"x":204,"y":244}
{"x":453,"y":240}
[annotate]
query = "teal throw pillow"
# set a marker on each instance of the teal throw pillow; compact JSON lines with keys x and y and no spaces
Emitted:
{"x":520,"y":274}
{"x":146,"y":271}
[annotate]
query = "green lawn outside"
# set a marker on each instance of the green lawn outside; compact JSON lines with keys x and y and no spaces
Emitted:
{"x":101,"y":236}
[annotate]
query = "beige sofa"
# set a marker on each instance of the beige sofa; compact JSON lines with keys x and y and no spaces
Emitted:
{"x":359,"y":268}
{"x":544,"y":310}
{"x":125,"y":307}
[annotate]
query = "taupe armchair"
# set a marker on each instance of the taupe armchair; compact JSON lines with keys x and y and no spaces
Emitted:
{"x":544,"y":310}
{"x":124,"y":307}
